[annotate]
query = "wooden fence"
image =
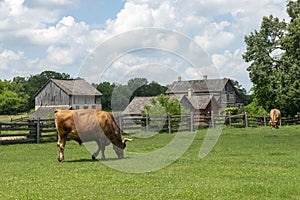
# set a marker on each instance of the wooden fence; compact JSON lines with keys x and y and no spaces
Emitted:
{"x":194,"y":121}
{"x":28,"y":131}
{"x":37,"y":131}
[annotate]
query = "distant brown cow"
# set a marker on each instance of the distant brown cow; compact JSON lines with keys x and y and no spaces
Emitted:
{"x":86,"y":126}
{"x":275,"y":116}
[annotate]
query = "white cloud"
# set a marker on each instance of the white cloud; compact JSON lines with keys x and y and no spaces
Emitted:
{"x":218,"y":26}
{"x":231,"y":65}
{"x":59,"y":56}
{"x":16,"y":63}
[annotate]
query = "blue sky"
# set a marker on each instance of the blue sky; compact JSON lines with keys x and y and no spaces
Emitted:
{"x":96,"y":11}
{"x":64,"y":35}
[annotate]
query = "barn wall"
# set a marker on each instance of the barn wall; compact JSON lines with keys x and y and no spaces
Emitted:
{"x":51,"y":95}
{"x":85,"y":102}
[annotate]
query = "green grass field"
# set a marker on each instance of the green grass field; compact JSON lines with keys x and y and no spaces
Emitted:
{"x":247,"y":163}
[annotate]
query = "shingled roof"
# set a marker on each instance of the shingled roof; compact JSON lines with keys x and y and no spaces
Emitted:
{"x":136,"y":105}
{"x":74,"y":87}
{"x":198,"y":86}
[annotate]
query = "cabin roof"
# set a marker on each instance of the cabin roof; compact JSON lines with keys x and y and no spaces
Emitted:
{"x":136,"y":105}
{"x":198,"y":86}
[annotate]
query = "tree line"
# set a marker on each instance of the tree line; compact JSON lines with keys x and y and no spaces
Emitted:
{"x":17,"y":95}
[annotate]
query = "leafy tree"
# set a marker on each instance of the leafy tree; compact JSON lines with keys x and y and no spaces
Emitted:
{"x":163,"y":105}
{"x":136,"y":83}
{"x":117,"y":97}
{"x":18,"y":86}
{"x":290,"y":76}
{"x":152,"y":89}
{"x":120,"y":97}
{"x":106,"y":89}
{"x":10,"y":101}
{"x":254,"y":109}
{"x":274,"y":53}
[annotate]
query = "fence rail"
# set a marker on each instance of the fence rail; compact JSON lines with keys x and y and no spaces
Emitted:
{"x":44,"y":130}
{"x":194,"y":121}
{"x":28,"y":131}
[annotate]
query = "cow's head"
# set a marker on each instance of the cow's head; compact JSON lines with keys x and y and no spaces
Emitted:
{"x":120,"y":146}
{"x":273,"y":124}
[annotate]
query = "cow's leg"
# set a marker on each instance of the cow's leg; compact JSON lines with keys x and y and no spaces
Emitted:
{"x":101,"y":147}
{"x":61,"y":146}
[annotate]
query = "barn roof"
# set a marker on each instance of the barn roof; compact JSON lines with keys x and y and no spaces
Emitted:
{"x":136,"y":105}
{"x":74,"y":87}
{"x":198,"y":86}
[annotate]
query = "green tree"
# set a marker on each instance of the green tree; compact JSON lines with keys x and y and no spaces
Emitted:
{"x":18,"y":86}
{"x":106,"y":89}
{"x":10,"y":101}
{"x":152,"y":89}
{"x":120,"y":97}
{"x":264,"y":68}
{"x":116,"y":96}
{"x":290,"y":76}
{"x":163,"y":105}
{"x":274,"y":53}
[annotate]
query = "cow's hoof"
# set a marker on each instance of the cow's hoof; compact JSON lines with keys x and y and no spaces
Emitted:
{"x":59,"y":160}
{"x":93,"y":157}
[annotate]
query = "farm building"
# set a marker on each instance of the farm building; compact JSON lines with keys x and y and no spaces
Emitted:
{"x":204,"y":95}
{"x":206,"y":103}
{"x":65,"y":94}
{"x":223,"y":90}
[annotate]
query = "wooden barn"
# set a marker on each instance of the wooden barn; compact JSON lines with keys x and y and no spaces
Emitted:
{"x":65,"y":94}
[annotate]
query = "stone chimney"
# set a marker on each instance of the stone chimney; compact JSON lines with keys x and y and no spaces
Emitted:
{"x":205,"y":77}
{"x":190,"y":92}
{"x":179,"y":78}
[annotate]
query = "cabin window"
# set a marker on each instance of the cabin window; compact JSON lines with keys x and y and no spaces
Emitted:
{"x":85,"y":107}
{"x":77,"y":107}
{"x":93,"y":106}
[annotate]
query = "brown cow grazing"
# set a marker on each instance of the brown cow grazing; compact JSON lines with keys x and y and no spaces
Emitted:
{"x":86,"y":126}
{"x":275,"y":116}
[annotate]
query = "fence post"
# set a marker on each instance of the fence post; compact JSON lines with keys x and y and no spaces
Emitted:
{"x":38,"y":131}
{"x":246,"y":119}
{"x":212,"y":119}
{"x":120,"y":122}
{"x":229,"y":119}
{"x":192,"y":121}
{"x":169,"y":123}
{"x":265,"y":120}
{"x":147,"y":123}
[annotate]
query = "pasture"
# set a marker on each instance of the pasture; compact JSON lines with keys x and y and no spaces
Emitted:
{"x":246,"y":163}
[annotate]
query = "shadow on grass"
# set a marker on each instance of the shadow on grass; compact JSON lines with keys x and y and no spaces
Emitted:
{"x":91,"y":160}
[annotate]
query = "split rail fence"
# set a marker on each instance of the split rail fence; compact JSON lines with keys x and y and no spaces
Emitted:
{"x":194,"y":121}
{"x":37,"y":131}
{"x":28,"y":131}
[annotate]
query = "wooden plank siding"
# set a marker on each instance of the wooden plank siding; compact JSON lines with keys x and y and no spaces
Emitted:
{"x":51,"y":95}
